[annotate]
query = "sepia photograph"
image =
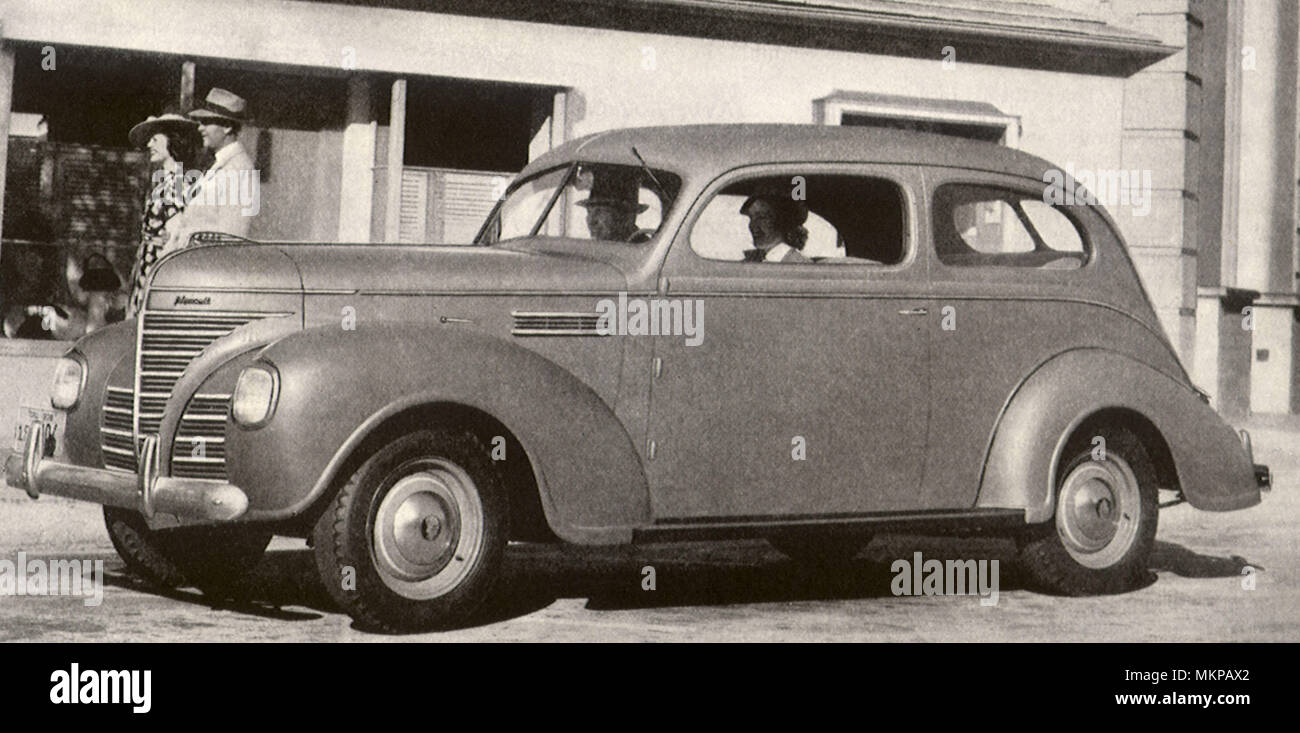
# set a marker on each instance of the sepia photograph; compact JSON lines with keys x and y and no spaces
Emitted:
{"x":650,"y":321}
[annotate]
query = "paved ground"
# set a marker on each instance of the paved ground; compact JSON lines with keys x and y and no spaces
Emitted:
{"x":718,"y":592}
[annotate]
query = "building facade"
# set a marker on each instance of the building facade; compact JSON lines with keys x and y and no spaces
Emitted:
{"x":400,"y":121}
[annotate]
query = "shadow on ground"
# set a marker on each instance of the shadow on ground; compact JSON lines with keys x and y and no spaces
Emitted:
{"x":1189,"y":564}
{"x":697,"y":574}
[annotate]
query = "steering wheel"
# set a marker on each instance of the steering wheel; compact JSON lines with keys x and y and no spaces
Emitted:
{"x":641,"y":236}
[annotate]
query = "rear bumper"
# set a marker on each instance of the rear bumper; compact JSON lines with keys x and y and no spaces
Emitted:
{"x":146,"y":492}
{"x":1263,"y":475}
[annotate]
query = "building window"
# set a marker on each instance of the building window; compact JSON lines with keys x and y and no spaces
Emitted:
{"x":974,"y":120}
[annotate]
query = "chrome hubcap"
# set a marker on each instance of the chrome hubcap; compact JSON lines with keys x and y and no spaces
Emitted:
{"x":1098,"y":511}
{"x":428,"y":530}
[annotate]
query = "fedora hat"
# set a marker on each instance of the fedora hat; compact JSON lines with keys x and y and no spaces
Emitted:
{"x":222,"y":106}
{"x":616,"y":189}
{"x":167,"y":124}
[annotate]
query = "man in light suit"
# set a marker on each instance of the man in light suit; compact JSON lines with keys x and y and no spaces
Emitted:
{"x":228,"y":195}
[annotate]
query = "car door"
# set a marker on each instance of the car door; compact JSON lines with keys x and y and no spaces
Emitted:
{"x":807,"y":392}
{"x":1012,"y":277}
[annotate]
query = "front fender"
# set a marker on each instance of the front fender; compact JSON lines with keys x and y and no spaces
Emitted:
{"x":1212,"y":467}
{"x":106,"y":350}
{"x":336,"y":386}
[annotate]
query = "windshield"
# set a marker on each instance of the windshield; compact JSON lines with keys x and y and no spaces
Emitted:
{"x":597,"y":201}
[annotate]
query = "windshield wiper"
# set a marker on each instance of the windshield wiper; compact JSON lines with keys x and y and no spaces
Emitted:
{"x":663,"y":193}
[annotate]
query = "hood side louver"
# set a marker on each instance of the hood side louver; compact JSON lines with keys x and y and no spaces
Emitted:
{"x":555,"y":324}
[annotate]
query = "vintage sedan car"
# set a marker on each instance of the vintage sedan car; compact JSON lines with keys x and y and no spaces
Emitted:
{"x":804,"y":334}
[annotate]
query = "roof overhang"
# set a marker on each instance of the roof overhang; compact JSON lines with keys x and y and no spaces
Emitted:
{"x":995,"y":32}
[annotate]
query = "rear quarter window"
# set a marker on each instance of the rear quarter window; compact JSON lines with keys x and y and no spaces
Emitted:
{"x":991,"y":226}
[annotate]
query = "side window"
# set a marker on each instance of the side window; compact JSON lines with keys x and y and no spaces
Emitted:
{"x":799,"y":219}
{"x":983,"y":226}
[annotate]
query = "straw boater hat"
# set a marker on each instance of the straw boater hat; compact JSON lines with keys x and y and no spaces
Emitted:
{"x":614,"y":189}
{"x":167,"y":124}
{"x":221,"y":106}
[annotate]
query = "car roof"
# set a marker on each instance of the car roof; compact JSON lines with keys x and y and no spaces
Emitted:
{"x":713,"y":149}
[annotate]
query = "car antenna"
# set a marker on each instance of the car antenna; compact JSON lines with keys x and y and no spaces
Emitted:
{"x":659,"y":186}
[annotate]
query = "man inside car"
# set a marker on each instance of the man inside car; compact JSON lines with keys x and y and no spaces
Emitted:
{"x":612,"y":208}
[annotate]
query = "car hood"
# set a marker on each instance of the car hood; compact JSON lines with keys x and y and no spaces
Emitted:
{"x":385,"y":268}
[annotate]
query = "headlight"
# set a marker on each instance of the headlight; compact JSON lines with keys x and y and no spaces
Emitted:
{"x":69,"y":381}
{"x":255,"y":395}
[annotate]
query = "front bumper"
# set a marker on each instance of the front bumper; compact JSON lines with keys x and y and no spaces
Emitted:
{"x":146,"y":492}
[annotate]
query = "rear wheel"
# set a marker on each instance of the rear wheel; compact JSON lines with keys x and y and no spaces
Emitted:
{"x":212,"y":559}
{"x":1104,"y":526}
{"x":416,"y":538}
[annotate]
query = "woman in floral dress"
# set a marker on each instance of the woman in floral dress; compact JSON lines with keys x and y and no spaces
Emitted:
{"x":172,"y":141}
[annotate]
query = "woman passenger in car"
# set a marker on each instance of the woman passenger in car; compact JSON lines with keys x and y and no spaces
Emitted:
{"x":776,"y":225}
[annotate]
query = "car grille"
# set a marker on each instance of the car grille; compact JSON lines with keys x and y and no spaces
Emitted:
{"x":116,"y":429}
{"x":169,"y":341}
{"x":200,"y":447}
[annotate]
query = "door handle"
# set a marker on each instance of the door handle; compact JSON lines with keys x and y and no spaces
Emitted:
{"x":913,"y":312}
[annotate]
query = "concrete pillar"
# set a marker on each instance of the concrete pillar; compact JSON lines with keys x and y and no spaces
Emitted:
{"x":1162,"y":106}
{"x":396,"y":147}
{"x":6,"y":103}
{"x":1205,"y":360}
{"x":356,"y":191}
{"x":1271,"y":368}
{"x":559,"y":119}
{"x":1265,"y":194}
{"x":187,"y":87}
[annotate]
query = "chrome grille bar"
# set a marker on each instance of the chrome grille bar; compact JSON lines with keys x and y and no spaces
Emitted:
{"x":116,"y":430}
{"x":199,"y":450}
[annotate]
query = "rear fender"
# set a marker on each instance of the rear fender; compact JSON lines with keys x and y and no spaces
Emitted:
{"x":1212,"y":468}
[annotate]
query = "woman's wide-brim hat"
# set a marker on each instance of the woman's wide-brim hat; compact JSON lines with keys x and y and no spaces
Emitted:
{"x":168,"y":124}
{"x":222,"y":106}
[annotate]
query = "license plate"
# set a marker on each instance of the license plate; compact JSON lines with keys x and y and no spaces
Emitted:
{"x":52,"y":422}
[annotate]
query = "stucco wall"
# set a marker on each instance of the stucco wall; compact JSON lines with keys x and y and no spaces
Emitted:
{"x":620,"y":78}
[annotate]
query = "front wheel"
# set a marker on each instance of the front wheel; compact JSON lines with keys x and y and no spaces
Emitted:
{"x":1104,"y":527}
{"x":416,"y":538}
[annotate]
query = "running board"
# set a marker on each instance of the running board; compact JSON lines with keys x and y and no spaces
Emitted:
{"x":965,"y":521}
